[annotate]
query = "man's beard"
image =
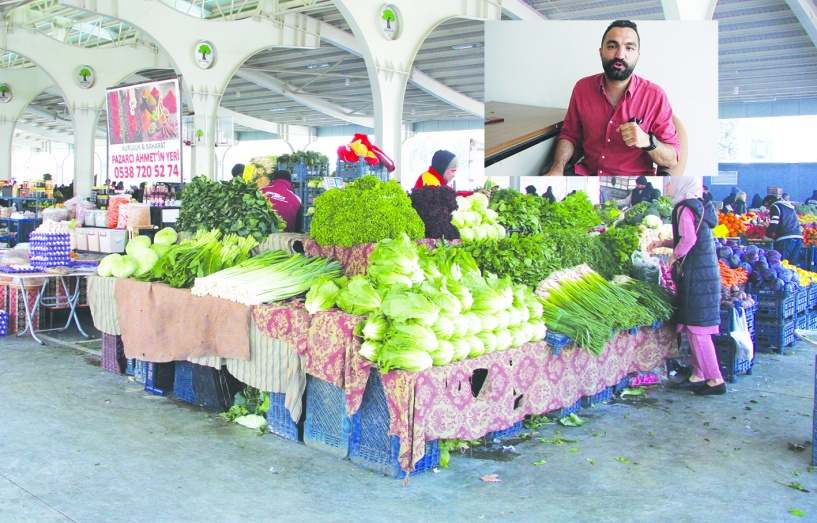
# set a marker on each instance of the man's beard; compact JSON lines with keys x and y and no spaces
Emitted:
{"x":614,"y":74}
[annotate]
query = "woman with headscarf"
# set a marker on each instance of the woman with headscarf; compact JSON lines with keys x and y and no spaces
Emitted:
{"x":757,"y":201}
{"x":698,"y":302}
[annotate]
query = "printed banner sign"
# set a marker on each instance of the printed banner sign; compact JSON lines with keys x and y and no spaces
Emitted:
{"x":144,"y":142}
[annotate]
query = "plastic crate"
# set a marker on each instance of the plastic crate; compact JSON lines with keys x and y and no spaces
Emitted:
{"x":4,"y":323}
{"x":215,"y":389}
{"x":140,"y":369}
{"x":113,"y":353}
{"x":776,"y":306}
{"x":657,"y":324}
{"x":159,"y":378}
{"x":812,"y":296}
{"x":632,"y":331}
{"x":565,"y":411}
{"x":726,"y":349}
{"x":603,"y":396}
{"x":371,"y":446}
{"x":801,"y":303}
{"x":619,"y":387}
{"x":279,"y":420}
{"x":557,"y":341}
{"x":183,"y":382}
{"x":327,"y":427}
{"x":801,"y":321}
{"x":513,"y":430}
{"x":774,"y":336}
{"x":812,"y":321}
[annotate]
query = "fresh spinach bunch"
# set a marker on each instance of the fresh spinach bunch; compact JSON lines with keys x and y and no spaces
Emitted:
{"x":526,"y":259}
{"x":233,"y":206}
{"x":622,"y":242}
{"x":517,"y":211}
{"x":575,"y":211}
{"x":575,"y":247}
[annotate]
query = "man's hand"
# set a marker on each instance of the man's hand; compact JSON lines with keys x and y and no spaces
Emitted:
{"x":633,"y":135}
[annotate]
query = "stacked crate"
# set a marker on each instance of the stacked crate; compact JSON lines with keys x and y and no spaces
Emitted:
{"x":776,"y":318}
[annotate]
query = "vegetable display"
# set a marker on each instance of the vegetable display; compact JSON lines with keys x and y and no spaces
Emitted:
{"x":621,"y":241}
{"x":232,"y":207}
{"x":575,"y":211}
{"x":366,"y":211}
{"x":199,"y":256}
{"x":430,"y":307}
{"x":730,"y":277}
{"x":582,"y":305}
{"x":270,"y":276}
{"x":804,"y":277}
{"x":475,"y":220}
{"x":517,"y":212}
{"x":434,"y":205}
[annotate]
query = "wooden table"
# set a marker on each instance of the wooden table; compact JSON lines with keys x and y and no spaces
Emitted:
{"x":524,"y":127}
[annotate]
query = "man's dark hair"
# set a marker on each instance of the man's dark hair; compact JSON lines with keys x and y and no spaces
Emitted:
{"x":769,"y":200}
{"x":706,"y":188}
{"x":622,"y":23}
{"x":238,"y":170}
{"x":282,"y":175}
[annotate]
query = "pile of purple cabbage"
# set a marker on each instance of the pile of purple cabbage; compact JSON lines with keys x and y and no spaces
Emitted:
{"x":765,"y":268}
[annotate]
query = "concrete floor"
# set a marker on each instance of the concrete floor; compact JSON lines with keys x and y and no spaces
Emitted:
{"x":78,"y":443}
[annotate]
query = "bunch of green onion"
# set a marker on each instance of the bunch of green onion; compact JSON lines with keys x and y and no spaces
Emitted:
{"x":655,"y":298}
{"x":271,"y":276}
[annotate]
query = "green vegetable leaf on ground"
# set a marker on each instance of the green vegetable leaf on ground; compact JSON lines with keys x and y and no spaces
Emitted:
{"x":540,"y":462}
{"x":797,"y":512}
{"x":635,"y":391}
{"x":795,"y":486}
{"x":572,"y":421}
{"x":591,"y":461}
{"x":623,"y":460}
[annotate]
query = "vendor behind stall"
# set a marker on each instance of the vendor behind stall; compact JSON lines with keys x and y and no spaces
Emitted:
{"x":442,"y":171}
{"x":784,"y":228}
{"x":284,"y":200}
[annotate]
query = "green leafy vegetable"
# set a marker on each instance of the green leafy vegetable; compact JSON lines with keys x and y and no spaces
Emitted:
{"x":572,"y":420}
{"x":365,"y":212}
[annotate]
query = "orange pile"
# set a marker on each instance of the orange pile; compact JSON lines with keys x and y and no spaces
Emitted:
{"x":732,"y":222}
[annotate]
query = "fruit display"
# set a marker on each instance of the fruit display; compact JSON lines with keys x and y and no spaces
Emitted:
{"x":732,"y":222}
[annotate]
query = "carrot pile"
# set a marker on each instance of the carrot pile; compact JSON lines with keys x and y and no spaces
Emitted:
{"x":732,"y":222}
{"x":731,"y":277}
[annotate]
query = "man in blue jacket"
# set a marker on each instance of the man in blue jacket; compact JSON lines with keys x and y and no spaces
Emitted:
{"x":784,"y":228}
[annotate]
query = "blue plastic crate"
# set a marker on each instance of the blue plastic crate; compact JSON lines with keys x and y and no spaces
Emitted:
{"x":633,"y":331}
{"x":775,"y":307}
{"x":602,"y":396}
{"x":774,"y":336}
{"x":327,"y":427}
{"x":557,"y":341}
{"x":812,"y":320}
{"x":4,"y":323}
{"x":657,"y":324}
{"x":513,"y":430}
{"x":801,"y":321}
{"x":371,"y":446}
{"x":812,"y":296}
{"x":183,"y":382}
{"x":279,"y":419}
{"x":159,"y":378}
{"x":624,"y":383}
{"x":801,"y":304}
{"x":565,"y":411}
{"x":730,"y":365}
{"x":140,"y":369}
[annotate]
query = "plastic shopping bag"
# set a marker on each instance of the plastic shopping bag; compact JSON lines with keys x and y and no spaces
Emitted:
{"x":645,"y":267}
{"x":740,"y":332}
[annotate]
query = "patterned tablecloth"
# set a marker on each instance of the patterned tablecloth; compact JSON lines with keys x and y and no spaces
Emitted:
{"x":438,"y":402}
{"x":354,"y":260}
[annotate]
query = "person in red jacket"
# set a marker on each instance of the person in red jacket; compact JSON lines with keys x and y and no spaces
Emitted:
{"x":284,"y":200}
{"x":442,"y":171}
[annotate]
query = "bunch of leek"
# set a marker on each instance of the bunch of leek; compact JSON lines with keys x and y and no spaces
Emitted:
{"x":271,"y":276}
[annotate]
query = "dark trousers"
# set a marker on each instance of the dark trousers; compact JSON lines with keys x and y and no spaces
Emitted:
{"x":789,"y":249}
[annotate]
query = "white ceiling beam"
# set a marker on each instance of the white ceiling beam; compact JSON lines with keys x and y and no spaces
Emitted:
{"x":313,"y":102}
{"x":519,"y":10}
{"x":688,"y":9}
{"x":806,"y":13}
{"x":54,"y":136}
{"x":347,"y":42}
{"x":250,"y":121}
{"x":34,"y":144}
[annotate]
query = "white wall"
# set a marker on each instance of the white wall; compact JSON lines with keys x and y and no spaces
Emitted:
{"x":539,"y":62}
